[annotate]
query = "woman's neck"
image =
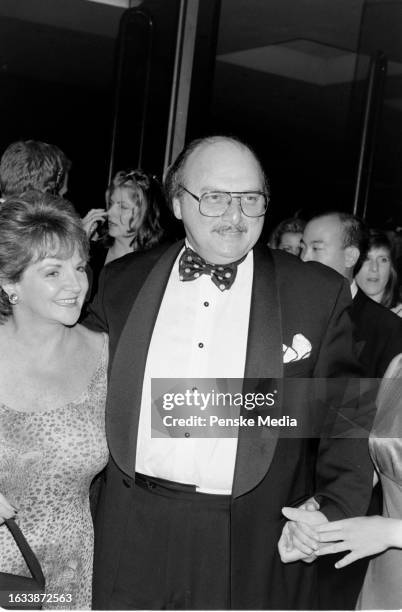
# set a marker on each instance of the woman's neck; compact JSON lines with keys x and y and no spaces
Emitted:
{"x":30,"y":335}
{"x":121,"y":246}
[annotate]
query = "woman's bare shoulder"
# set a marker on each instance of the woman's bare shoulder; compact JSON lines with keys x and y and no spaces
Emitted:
{"x":94,"y":341}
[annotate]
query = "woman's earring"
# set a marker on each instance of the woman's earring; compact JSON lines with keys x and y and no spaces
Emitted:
{"x":13,"y":299}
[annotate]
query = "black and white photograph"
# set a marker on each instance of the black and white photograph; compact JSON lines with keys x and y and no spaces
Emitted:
{"x":201,"y":305}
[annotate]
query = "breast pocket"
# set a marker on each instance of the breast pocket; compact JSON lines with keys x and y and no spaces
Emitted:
{"x":298,"y":369}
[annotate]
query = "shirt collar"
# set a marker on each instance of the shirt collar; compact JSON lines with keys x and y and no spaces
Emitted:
{"x":353,"y":288}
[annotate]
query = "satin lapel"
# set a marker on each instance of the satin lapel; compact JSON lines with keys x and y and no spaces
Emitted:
{"x":256,"y":445}
{"x":127,"y":373}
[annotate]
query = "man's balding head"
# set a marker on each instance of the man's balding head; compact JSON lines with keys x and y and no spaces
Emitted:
{"x":217,"y":164}
{"x":337,"y":240}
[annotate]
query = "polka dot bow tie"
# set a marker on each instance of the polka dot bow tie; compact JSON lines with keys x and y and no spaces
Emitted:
{"x":191,"y":266}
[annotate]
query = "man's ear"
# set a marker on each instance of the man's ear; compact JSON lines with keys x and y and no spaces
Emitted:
{"x":177,"y":208}
{"x":352,"y":254}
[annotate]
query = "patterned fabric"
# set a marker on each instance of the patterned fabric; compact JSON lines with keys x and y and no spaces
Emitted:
{"x":191,"y":266}
{"x":47,"y":462}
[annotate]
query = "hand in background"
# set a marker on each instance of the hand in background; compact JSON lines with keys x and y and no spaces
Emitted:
{"x":91,"y":220}
{"x":6,"y":509}
{"x":362,"y":536}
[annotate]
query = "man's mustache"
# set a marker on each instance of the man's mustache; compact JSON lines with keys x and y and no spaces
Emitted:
{"x":221,"y":229}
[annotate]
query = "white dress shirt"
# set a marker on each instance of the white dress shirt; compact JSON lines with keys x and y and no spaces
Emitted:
{"x":200,"y":332}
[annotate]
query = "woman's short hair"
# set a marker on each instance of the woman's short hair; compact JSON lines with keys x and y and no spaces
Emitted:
{"x":147,"y":192}
{"x":33,"y":227}
{"x":32,"y":165}
{"x":380,"y":240}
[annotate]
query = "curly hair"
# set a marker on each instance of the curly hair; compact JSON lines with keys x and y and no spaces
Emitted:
{"x":146,"y":191}
{"x":31,"y":228}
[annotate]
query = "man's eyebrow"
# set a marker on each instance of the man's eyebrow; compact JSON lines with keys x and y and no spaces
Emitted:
{"x":206,"y":189}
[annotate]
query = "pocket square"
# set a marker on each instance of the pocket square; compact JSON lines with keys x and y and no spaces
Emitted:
{"x":300,"y":349}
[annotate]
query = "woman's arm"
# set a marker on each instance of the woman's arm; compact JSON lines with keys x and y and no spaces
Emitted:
{"x":362,"y":536}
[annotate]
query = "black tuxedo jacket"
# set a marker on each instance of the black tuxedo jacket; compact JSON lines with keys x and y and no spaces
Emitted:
{"x":288,"y":297}
{"x":377,"y":333}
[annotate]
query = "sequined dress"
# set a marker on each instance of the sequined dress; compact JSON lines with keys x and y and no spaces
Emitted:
{"x":47,"y":462}
{"x":382,"y":588}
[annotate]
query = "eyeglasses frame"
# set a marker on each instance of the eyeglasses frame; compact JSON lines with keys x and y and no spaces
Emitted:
{"x":237,"y":194}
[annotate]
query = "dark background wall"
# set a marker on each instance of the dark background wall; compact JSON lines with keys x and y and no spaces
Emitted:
{"x":290,"y":77}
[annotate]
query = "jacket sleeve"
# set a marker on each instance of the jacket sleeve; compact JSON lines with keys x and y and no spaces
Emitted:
{"x":95,"y":317}
{"x":344,"y":471}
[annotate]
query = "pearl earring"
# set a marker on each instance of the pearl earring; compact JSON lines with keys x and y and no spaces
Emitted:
{"x":13,"y":299}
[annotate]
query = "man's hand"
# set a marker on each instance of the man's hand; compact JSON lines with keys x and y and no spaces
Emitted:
{"x":310,"y":504}
{"x":287,"y":552}
{"x":299,"y":539}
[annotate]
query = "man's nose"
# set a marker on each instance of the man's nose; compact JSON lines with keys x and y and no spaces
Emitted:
{"x":233,"y":212}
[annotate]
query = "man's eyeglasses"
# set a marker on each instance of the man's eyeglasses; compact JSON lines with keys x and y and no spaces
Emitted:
{"x":216,"y":203}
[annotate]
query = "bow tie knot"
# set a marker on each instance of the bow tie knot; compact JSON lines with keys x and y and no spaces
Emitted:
{"x":192,"y":266}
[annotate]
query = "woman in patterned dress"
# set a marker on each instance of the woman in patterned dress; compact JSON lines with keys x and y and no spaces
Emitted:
{"x":52,"y":396}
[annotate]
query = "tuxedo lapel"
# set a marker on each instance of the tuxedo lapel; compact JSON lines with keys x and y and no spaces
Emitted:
{"x":256,"y":445}
{"x":127,"y":372}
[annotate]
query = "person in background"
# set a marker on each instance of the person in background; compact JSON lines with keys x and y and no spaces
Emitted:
{"x":339,"y":240}
{"x":33,"y":165}
{"x":287,"y":236}
{"x":377,"y":276}
{"x":132,"y":221}
{"x":52,"y":395}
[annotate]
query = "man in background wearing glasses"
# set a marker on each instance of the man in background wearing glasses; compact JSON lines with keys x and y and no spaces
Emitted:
{"x":189,"y":520}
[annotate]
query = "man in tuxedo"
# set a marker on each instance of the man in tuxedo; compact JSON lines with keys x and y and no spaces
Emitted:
{"x":339,"y":240}
{"x":191,"y":522}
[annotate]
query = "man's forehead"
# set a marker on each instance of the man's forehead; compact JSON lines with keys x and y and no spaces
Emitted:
{"x":223,"y":153}
{"x":326,"y":230}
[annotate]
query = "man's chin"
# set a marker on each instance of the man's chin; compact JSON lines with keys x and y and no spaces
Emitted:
{"x":228,"y":255}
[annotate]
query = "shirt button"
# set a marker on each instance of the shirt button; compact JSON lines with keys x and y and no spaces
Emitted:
{"x":201,"y":345}
{"x":206,"y":304}
{"x":186,"y":435}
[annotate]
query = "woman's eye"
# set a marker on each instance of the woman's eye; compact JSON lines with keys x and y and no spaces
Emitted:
{"x":53,"y":273}
{"x":81,"y":269}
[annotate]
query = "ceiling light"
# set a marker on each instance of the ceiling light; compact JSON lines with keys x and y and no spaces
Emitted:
{"x":119,"y":3}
